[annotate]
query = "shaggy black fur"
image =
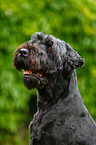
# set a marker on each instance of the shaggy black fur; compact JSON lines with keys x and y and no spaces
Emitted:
{"x":49,"y":65}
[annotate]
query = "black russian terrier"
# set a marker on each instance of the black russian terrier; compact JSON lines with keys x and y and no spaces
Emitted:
{"x":49,"y":65}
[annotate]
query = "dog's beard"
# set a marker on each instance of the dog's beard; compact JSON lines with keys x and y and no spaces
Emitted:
{"x":32,"y":80}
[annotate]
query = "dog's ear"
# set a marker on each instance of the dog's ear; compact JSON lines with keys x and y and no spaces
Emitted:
{"x":72,"y":59}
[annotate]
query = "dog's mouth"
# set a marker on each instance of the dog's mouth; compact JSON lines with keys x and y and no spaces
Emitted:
{"x":29,"y":72}
{"x":34,"y":80}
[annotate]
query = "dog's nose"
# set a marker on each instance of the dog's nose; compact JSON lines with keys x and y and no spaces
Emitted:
{"x":24,"y":52}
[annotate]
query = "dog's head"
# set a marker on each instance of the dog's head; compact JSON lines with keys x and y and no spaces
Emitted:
{"x":43,"y":56}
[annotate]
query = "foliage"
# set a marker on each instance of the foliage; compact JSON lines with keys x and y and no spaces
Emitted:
{"x":70,"y":20}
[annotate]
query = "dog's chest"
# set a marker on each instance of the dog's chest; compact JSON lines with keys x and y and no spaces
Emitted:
{"x":53,"y":126}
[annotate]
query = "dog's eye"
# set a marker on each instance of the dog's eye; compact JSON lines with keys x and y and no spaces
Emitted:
{"x":49,"y":48}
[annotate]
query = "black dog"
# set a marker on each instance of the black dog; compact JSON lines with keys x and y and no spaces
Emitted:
{"x":49,"y":65}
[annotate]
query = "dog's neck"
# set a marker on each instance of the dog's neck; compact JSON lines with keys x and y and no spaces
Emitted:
{"x":49,"y":95}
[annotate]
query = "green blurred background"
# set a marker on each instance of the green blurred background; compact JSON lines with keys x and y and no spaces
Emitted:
{"x":71,"y":20}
